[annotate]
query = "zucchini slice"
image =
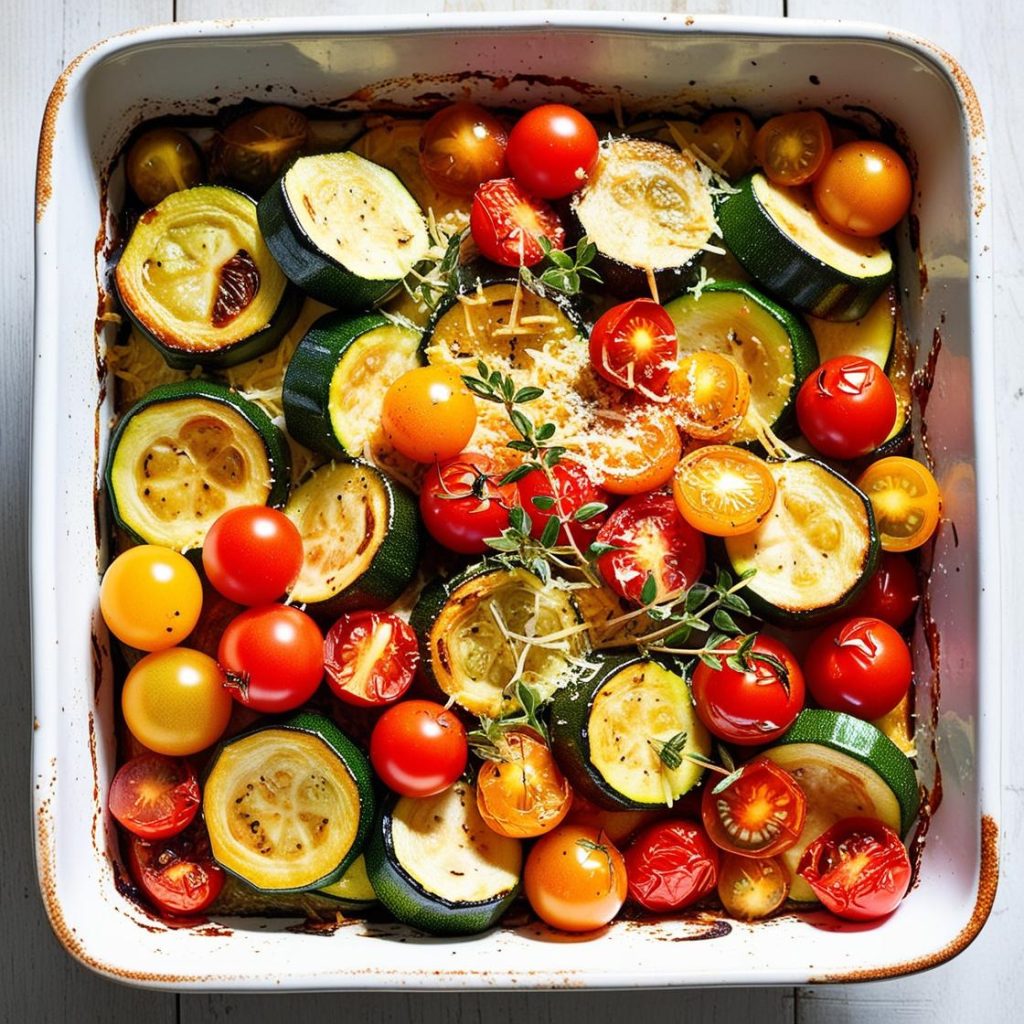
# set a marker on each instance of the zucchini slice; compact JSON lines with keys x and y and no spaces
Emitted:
{"x":183,"y":454}
{"x":197,"y":279}
{"x":773,"y":346}
{"x":870,"y":336}
{"x":469,"y":628}
{"x":780,"y":238}
{"x":846,"y":768}
{"x":360,"y":534}
{"x":336,"y":379}
{"x":352,"y":891}
{"x":646,"y":208}
{"x":345,"y":230}
{"x":435,"y":864}
{"x":815,"y":549}
{"x":605,"y":728}
{"x":288,"y":807}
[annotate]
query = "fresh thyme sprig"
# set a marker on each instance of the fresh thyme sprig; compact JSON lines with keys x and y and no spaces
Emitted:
{"x":486,"y":740}
{"x":567,"y":270}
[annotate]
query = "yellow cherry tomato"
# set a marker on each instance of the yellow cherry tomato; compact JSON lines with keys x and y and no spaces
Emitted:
{"x":750,"y":889}
{"x":175,"y":702}
{"x":151,"y":597}
{"x":642,"y":453}
{"x":160,"y":162}
{"x":905,"y":499}
{"x":722,"y":490}
{"x":709,"y":395}
{"x":429,"y":414}
{"x":728,"y":138}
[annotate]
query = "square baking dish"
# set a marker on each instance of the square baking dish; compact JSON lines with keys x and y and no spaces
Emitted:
{"x":600,"y":62}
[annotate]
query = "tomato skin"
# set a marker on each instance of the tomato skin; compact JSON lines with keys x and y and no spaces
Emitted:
{"x":864,"y":189}
{"x":154,"y":797}
{"x":752,"y":889}
{"x":571,"y":885}
{"x":710,"y":395}
{"x":429,"y":414}
{"x":653,"y":539}
{"x":723,"y":490}
{"x":274,"y":655}
{"x":859,"y":869}
{"x":634,"y":345}
{"x":749,"y":708}
{"x":575,"y":489}
{"x":847,"y":407}
{"x":177,"y":875}
{"x":151,"y":597}
{"x":905,"y":499}
{"x":891,"y":594}
{"x":252,"y":554}
{"x":671,"y":865}
{"x":861,"y":666}
{"x":418,"y":748}
{"x":358,"y":636}
{"x":507,"y":222}
{"x":462,"y":146}
{"x":551,"y":150}
{"x":792,"y":149}
{"x":462,"y":504}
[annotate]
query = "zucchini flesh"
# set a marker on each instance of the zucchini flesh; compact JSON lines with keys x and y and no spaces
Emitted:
{"x":871,"y":336}
{"x":353,"y":889}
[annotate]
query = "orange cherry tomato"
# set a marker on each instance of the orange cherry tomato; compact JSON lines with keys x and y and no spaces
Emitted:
{"x":751,"y":889}
{"x":728,"y":138}
{"x":709,"y":395}
{"x":462,"y":146}
{"x":523,"y":794}
{"x":905,"y":499}
{"x":793,"y":148}
{"x":575,"y":879}
{"x":864,"y":188}
{"x":723,"y":490}
{"x":429,"y":414}
{"x":641,"y":453}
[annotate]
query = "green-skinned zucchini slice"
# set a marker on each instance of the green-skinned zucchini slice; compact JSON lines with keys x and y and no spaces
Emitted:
{"x":199,"y":282}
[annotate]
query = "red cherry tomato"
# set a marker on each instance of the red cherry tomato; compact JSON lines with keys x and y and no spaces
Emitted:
{"x":551,"y":150}
{"x":462,"y":503}
{"x":750,"y":707}
{"x":758,"y":814}
{"x":252,"y":554}
{"x":634,"y":345}
{"x":670,"y":865}
{"x":859,"y":869}
{"x":892,"y":593}
{"x":418,"y":748}
{"x":507,"y":222}
{"x":461,"y":146}
{"x":652,"y":540}
{"x":861,"y":666}
{"x":154,"y":797}
{"x":864,"y":188}
{"x":273,"y":656}
{"x":846,"y":407}
{"x":177,"y":875}
{"x":370,"y":658}
{"x":575,"y":490}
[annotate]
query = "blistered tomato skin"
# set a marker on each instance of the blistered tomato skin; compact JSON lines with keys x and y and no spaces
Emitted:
{"x":177,"y":875}
{"x":551,"y":150}
{"x":671,"y":865}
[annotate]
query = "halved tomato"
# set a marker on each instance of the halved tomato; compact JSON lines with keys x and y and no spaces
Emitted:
{"x":709,"y":395}
{"x":723,"y":490}
{"x":177,"y":875}
{"x":507,"y":224}
{"x":575,"y":490}
{"x":634,"y":345}
{"x":793,"y":148}
{"x":640,"y":453}
{"x":751,"y":889}
{"x":370,"y":658}
{"x":905,"y":499}
{"x":154,"y":796}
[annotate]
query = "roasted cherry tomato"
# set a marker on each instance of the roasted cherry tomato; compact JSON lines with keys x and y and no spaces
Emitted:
{"x":640,"y":453}
{"x":160,"y":162}
{"x":751,"y":889}
{"x":252,"y":554}
{"x":634,"y":345}
{"x":463,"y":503}
{"x":177,"y":875}
{"x":709,"y":395}
{"x":864,"y":188}
{"x":892,"y":592}
{"x":859,"y":869}
{"x":793,"y":148}
{"x":507,"y":224}
{"x":846,"y":407}
{"x":273,"y":656}
{"x":551,"y":150}
{"x":728,"y":139}
{"x":175,"y":702}
{"x":151,"y":597}
{"x":861,"y":666}
{"x":652,"y":540}
{"x":755,"y":706}
{"x":521,"y":793}
{"x":670,"y":865}
{"x":255,"y":147}
{"x":575,"y":491}
{"x":575,"y":879}
{"x":154,"y":796}
{"x":418,"y":748}
{"x":905,"y":499}
{"x":370,"y":658}
{"x":462,"y":146}
{"x":429,"y":414}
{"x":723,"y":490}
{"x":758,"y":814}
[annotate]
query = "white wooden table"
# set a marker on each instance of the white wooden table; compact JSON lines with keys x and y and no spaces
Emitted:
{"x":40,"y":983}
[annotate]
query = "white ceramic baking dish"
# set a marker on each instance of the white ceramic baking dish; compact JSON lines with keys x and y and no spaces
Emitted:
{"x":600,"y":60}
